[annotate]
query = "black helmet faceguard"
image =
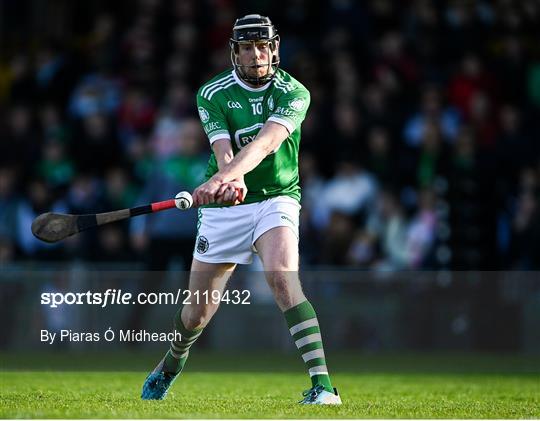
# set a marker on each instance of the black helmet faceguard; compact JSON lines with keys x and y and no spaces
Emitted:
{"x":254,"y":29}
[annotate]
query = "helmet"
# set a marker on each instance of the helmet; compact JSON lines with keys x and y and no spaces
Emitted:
{"x":252,"y":29}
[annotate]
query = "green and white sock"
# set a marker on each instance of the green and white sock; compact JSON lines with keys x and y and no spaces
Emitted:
{"x":304,"y":328}
{"x":179,"y":351}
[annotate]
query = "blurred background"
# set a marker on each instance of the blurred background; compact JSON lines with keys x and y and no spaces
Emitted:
{"x":420,"y":152}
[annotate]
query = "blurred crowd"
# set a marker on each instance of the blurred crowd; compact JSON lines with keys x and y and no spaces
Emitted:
{"x":421,"y":148}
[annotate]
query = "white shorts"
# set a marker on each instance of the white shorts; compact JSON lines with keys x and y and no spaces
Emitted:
{"x":228,"y":235}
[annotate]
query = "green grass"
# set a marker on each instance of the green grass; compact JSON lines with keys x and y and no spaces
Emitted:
{"x":387,"y":386}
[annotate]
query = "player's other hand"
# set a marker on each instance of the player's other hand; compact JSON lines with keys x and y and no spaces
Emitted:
{"x":233,"y":192}
{"x":206,"y":192}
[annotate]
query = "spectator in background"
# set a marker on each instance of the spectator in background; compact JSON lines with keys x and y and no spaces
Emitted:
{"x":52,"y":125}
{"x":350,"y":192}
{"x":337,"y":238}
{"x":347,"y":83}
{"x":375,"y":110}
{"x":394,"y":69}
{"x":432,"y":112}
{"x":421,"y":230}
{"x":101,"y":44}
{"x":481,"y":118}
{"x":380,"y":159}
{"x":383,"y":242}
{"x":514,"y":148}
{"x":425,"y":32}
{"x":95,"y":94}
{"x":136,"y":115}
{"x":55,"y":168}
{"x":470,"y":80}
{"x":421,"y":167}
{"x":53,"y":74}
{"x":84,"y":195}
{"x":120,"y":192}
{"x":21,"y":85}
{"x":178,"y":100}
{"x":139,"y":49}
{"x":96,"y":146}
{"x":363,"y":249}
{"x":348,"y":129}
{"x":112,"y":245}
{"x":390,"y":241}
{"x":21,"y":143}
{"x":511,"y":64}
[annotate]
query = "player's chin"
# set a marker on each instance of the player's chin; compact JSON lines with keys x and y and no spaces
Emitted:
{"x":257,"y":72}
{"x":254,"y":74}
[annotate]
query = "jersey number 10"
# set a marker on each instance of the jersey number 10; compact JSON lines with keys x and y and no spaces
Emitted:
{"x":257,"y":108}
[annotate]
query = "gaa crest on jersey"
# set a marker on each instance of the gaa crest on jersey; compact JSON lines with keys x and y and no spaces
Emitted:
{"x":297,"y":104}
{"x":202,"y":245}
{"x":270,"y":103}
{"x":234,"y":104}
{"x":203,"y":114}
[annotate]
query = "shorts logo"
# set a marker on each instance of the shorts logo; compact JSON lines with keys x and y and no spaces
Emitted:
{"x":297,"y":104}
{"x":203,"y":114}
{"x":286,"y":218}
{"x":202,"y":245}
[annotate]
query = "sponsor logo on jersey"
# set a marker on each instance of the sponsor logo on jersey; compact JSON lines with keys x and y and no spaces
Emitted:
{"x":259,"y":99}
{"x":271,"y":103}
{"x":297,"y":104}
{"x":234,"y":104}
{"x":202,"y":245}
{"x":203,"y":114}
{"x":246,"y":135}
{"x":285,"y":111}
{"x":214,"y":125}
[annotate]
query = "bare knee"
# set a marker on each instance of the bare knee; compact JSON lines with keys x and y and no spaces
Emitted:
{"x":197,"y":316}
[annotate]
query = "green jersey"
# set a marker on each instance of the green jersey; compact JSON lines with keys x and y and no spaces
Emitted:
{"x":230,"y":109}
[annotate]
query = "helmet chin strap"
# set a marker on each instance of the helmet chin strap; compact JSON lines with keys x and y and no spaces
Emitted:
{"x":242,"y":71}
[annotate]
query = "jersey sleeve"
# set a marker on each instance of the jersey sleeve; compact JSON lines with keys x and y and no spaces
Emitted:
{"x":213,"y":119}
{"x":291,"y":108}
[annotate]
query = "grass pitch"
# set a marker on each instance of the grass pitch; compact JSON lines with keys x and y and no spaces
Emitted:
{"x":213,"y":386}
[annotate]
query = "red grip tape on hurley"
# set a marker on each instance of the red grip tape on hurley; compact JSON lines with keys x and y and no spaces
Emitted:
{"x":166,"y":204}
{"x":239,"y":192}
